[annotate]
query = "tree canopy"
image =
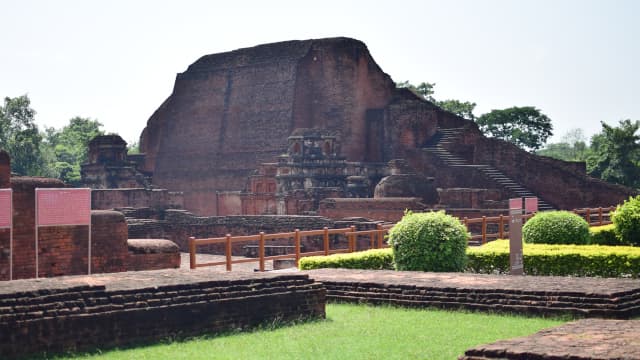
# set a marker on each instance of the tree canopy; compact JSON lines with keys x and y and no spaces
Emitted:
{"x":615,"y":154}
{"x":20,"y":137}
{"x":573,"y":146}
{"x":70,"y":146}
{"x":426,"y":90}
{"x":53,"y":153}
{"x":527,"y":127}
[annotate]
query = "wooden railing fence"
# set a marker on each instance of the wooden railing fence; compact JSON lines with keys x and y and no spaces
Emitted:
{"x":481,"y":229}
{"x":376,"y":240}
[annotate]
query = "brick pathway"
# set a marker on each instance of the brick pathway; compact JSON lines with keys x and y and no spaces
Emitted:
{"x":205,"y":258}
{"x":580,"y":340}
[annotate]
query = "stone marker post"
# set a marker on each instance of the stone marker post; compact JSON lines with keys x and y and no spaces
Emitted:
{"x":515,"y":237}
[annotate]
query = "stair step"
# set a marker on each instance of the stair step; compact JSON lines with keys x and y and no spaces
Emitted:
{"x":448,"y":136}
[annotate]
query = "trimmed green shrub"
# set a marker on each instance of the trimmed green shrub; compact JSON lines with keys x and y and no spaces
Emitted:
{"x":556,"y":227}
{"x":558,"y":260}
{"x":432,"y":241}
{"x":604,"y":235}
{"x":626,"y":219}
{"x":376,"y":259}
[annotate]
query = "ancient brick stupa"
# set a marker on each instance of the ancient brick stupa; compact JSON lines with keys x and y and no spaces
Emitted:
{"x":232,"y":112}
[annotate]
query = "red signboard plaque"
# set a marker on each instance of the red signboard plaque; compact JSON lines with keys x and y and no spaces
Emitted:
{"x":5,"y":208}
{"x":58,"y":207}
{"x":531,"y":205}
{"x":63,"y":207}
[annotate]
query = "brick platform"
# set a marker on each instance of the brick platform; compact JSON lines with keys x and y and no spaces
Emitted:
{"x":583,"y":297}
{"x":106,"y":310}
{"x":588,"y":339}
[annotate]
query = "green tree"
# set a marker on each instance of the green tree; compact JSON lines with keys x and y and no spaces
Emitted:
{"x":70,"y":146}
{"x":426,"y":90}
{"x":526,"y":127}
{"x":616,"y":154}
{"x":572,"y":147}
{"x":463,"y":109}
{"x":20,"y":137}
{"x":133,"y":148}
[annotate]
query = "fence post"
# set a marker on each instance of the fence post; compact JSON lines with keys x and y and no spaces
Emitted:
{"x":600,"y":219}
{"x":325,"y":238}
{"x":484,"y":230}
{"x":501,"y":227}
{"x":261,"y":250}
{"x":352,"y":239}
{"x":380,"y":235}
{"x":588,"y":215}
{"x":192,"y":252}
{"x":227,"y":251}
{"x":296,"y":240}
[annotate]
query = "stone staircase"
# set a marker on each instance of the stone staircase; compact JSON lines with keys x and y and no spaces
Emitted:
{"x":448,"y":136}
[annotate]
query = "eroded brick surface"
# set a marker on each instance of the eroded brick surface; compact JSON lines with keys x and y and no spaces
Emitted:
{"x":580,"y":340}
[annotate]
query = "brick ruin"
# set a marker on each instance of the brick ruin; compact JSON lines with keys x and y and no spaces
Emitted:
{"x":63,"y":250}
{"x":309,"y":127}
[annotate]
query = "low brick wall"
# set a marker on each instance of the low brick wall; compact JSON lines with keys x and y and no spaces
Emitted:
{"x":107,"y":310}
{"x":179,"y":225}
{"x":383,"y":209}
{"x":586,"y":297}
{"x":152,"y":254}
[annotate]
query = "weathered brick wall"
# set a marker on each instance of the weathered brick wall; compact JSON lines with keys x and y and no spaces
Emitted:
{"x":64,"y":314}
{"x":5,"y":234}
{"x":104,"y":199}
{"x":562,"y":183}
{"x":179,"y":225}
{"x":63,"y":250}
{"x":109,"y":235}
{"x":472,"y":198}
{"x":152,"y":254}
{"x":235,"y":110}
{"x":24,"y":246}
{"x":383,"y":209}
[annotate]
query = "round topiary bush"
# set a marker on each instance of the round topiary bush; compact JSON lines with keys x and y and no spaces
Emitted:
{"x":626,"y":219}
{"x":431,"y":241}
{"x":556,"y":227}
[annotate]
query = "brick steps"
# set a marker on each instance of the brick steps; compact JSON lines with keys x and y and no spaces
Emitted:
{"x":584,"y":297}
{"x":448,"y":136}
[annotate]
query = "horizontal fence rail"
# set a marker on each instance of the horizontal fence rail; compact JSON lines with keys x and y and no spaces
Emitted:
{"x":375,"y":236}
{"x":481,"y":229}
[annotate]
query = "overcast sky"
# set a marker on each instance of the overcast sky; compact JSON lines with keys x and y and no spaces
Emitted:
{"x":116,"y":61}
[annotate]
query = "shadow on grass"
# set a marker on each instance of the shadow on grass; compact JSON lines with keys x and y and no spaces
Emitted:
{"x":273,"y":324}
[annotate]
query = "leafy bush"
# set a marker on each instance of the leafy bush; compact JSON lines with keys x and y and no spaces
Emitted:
{"x":558,"y":260}
{"x":604,"y":235}
{"x":376,"y":259}
{"x":432,"y":241}
{"x":626,"y":219}
{"x":556,"y":227}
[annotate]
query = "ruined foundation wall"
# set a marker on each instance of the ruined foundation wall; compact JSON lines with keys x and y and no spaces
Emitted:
{"x":105,"y":199}
{"x":68,"y":314}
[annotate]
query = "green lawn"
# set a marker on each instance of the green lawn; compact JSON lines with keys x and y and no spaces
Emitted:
{"x":351,"y":332}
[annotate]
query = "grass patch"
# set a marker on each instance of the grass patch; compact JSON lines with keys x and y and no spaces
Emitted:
{"x":350,"y":332}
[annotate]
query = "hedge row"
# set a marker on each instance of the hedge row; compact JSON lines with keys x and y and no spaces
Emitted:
{"x":559,"y":260}
{"x":376,"y":259}
{"x":604,"y":235}
{"x":493,"y":258}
